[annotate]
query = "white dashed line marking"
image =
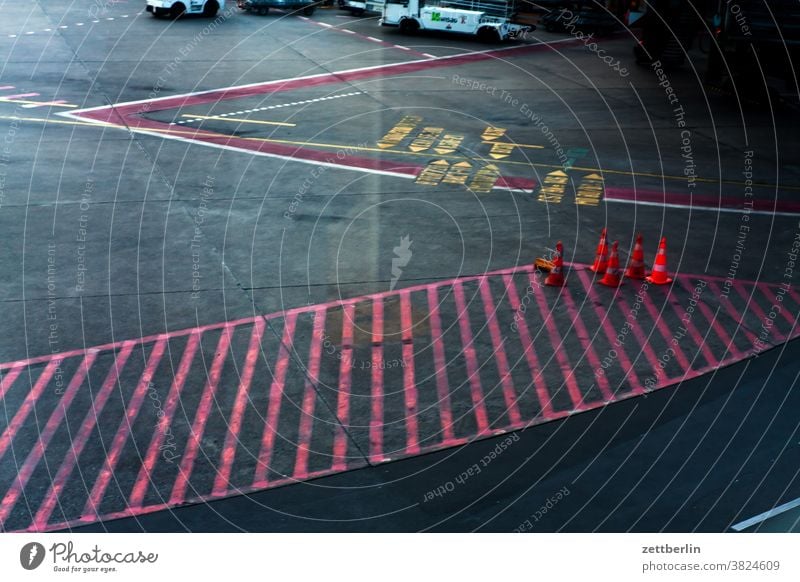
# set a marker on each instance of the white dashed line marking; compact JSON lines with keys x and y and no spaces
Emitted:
{"x":79,"y":24}
{"x":402,"y":48}
{"x":348,"y":31}
{"x":278,"y":106}
{"x":372,"y":38}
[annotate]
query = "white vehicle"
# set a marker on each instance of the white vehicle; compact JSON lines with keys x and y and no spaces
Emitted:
{"x":175,"y":8}
{"x":359,"y":7}
{"x":488,"y":19}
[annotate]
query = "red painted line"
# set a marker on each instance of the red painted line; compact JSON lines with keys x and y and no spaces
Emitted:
{"x":138,"y":341}
{"x":644,"y":341}
{"x":8,"y":380}
{"x":222,"y":480}
{"x":735,"y":315}
{"x":468,"y":349}
{"x":19,"y":96}
{"x":376,"y":394}
{"x":27,"y":405}
{"x":409,"y":381}
{"x":201,"y":418}
{"x":555,"y":340}
{"x":698,"y":339}
{"x":173,"y":398}
{"x":47,"y":506}
{"x":275,"y":401}
{"x":784,"y":312}
{"x":586,"y":344}
{"x":310,"y":396}
{"x":345,"y":383}
{"x":530,"y":354}
{"x":509,"y":392}
{"x":608,"y":329}
{"x":698,"y":201}
{"x":56,"y":417}
{"x":668,"y":335}
{"x":91,"y":510}
{"x":752,"y":305}
{"x":116,"y":113}
{"x":440,"y":366}
{"x":714,"y":323}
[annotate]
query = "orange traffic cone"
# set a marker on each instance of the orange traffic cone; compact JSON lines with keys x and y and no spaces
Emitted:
{"x":601,"y":255}
{"x":556,"y":276}
{"x":611,"y":278}
{"x":659,"y":274}
{"x":636,"y":265}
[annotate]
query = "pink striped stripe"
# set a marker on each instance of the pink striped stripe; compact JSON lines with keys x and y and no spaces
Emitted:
{"x":668,"y":336}
{"x":735,"y":315}
{"x":46,"y":435}
{"x":8,"y":380}
{"x":509,"y":392}
{"x":91,"y":510}
{"x":222,"y":480}
{"x":173,"y":398}
{"x":752,"y":305}
{"x":556,"y":341}
{"x":530,"y":354}
{"x":47,"y":506}
{"x":440,"y":366}
{"x":193,"y":446}
{"x":468,"y":349}
{"x":409,"y":382}
{"x":698,"y":339}
{"x":376,"y":394}
{"x":310,"y":396}
{"x":586,"y":344}
{"x":275,"y":401}
{"x":608,"y":329}
{"x":345,"y":382}
{"x":27,"y":405}
{"x":787,"y":315}
{"x":714,"y":323}
{"x":643,"y":341}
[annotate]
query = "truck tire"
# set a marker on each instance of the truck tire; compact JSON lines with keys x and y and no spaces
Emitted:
{"x":409,"y":26}
{"x":210,"y":9}
{"x":357,"y":12}
{"x":263,"y":10}
{"x":488,"y":34}
{"x":177,"y":10}
{"x":308,"y":10}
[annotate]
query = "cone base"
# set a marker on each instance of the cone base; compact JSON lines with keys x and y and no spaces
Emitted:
{"x":557,"y":283}
{"x":651,"y":280}
{"x":635,"y":276}
{"x":616,"y":283}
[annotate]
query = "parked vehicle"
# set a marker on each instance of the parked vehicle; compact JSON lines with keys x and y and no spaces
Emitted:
{"x":490,"y":20}
{"x":176,"y":8}
{"x":262,"y":6}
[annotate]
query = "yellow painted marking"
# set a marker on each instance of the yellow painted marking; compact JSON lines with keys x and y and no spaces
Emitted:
{"x":590,"y":190}
{"x":399,"y":132}
{"x":433,"y":173}
{"x":459,"y":173}
{"x":501,"y":150}
{"x":425,"y":139}
{"x":485,"y":179}
{"x":449,"y":143}
{"x":239,"y":120}
{"x":519,"y":145}
{"x":42,"y":103}
{"x":492,"y":133}
{"x":553,"y":187}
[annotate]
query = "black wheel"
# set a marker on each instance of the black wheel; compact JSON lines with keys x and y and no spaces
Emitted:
{"x":358,"y":12}
{"x":409,"y":26}
{"x":488,"y":34}
{"x":210,"y":9}
{"x":264,"y":10}
{"x":308,"y":11}
{"x":177,"y":10}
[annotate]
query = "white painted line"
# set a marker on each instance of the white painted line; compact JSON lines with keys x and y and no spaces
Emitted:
{"x":325,"y":25}
{"x":348,"y":31}
{"x":124,"y":16}
{"x":385,"y":67}
{"x":48,"y":30}
{"x":110,"y":18}
{"x":742,"y":525}
{"x":79,"y":24}
{"x":430,"y":56}
{"x":95,"y":21}
{"x":29,"y":32}
{"x":63,"y":26}
{"x":694,"y":208}
{"x":12,"y":36}
{"x":372,"y":38}
{"x":404,"y":48}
